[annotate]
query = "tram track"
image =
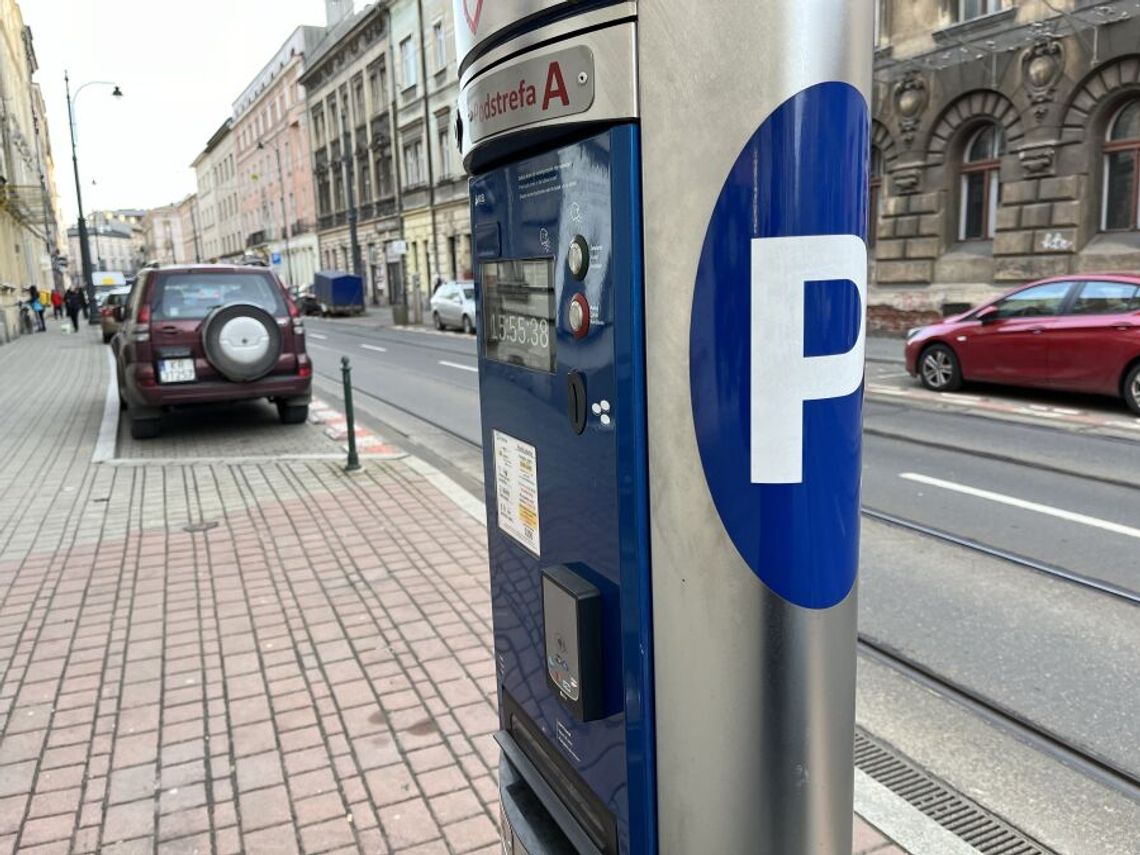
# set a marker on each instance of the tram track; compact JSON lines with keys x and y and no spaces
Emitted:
{"x":1088,"y":762}
{"x":1042,"y":567}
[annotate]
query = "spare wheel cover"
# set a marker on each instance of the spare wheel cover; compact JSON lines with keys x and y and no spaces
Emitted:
{"x":242,"y":341}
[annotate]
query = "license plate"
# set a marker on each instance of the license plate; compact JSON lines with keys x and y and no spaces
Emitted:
{"x":176,"y":371}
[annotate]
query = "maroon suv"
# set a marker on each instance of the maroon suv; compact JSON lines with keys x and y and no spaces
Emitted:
{"x":208,"y":333}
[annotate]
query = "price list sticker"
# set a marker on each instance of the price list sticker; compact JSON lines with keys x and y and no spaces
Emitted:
{"x":516,"y":490}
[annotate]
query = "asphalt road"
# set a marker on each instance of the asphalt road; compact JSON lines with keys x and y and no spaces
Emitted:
{"x":1054,"y":654}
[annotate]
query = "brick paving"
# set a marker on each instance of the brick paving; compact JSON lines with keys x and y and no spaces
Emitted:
{"x":224,"y":657}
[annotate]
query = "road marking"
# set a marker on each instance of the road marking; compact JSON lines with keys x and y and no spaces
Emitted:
{"x":1048,"y":510}
{"x":318,"y":336}
{"x":109,"y":427}
{"x":474,"y":368}
{"x":375,"y":348}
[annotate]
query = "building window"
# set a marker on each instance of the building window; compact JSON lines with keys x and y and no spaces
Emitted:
{"x":408,"y":62}
{"x":384,"y":176}
{"x":876,"y":191}
{"x":358,"y":99}
{"x":1122,"y":170}
{"x":444,"y":147}
{"x":365,"y":183}
{"x":439,"y":46}
{"x":413,"y":163}
{"x":378,"y":87}
{"x":981,"y":184}
{"x":880,"y":20}
{"x":969,"y":9}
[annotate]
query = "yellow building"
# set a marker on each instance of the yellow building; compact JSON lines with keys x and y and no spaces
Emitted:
{"x":29,"y":233}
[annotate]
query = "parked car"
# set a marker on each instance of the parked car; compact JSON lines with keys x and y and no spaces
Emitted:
{"x":1073,"y":333}
{"x":107,"y":319}
{"x":453,"y":305}
{"x":309,"y":304}
{"x":208,"y":333}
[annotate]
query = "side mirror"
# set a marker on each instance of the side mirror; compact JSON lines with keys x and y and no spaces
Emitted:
{"x":988,"y":315}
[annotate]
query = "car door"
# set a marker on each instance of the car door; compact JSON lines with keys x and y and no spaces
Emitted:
{"x":450,"y":305}
{"x":1012,"y":346}
{"x":1095,"y":337}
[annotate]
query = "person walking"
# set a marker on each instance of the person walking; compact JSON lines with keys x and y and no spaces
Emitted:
{"x":56,"y":304}
{"x":73,"y":303}
{"x":83,"y":303}
{"x":37,"y":307}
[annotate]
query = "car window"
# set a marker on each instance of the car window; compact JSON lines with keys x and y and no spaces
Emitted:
{"x":1106,"y":298}
{"x":469,"y":293}
{"x":1036,"y":302}
{"x":192,"y":296}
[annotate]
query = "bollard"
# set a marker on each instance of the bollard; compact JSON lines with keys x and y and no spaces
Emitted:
{"x":353,"y":459}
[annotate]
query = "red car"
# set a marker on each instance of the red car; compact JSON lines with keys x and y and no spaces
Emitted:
{"x":1073,"y":333}
{"x":208,"y":333}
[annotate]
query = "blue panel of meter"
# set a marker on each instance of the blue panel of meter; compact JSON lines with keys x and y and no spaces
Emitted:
{"x":776,"y":345}
{"x":558,"y":279}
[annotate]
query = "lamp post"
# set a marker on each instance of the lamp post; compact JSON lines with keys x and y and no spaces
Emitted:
{"x":284,"y":211}
{"x":84,"y":248}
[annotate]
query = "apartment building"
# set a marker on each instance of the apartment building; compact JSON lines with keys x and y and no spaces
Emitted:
{"x":1005,"y":148}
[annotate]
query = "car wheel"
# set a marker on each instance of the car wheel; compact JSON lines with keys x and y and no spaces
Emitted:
{"x":292,"y":414}
{"x":144,"y":428}
{"x":938,"y":369}
{"x":1132,"y":389}
{"x":468,"y":327}
{"x":437,"y":320}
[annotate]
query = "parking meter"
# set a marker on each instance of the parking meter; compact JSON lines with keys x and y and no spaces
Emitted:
{"x":669,"y":213}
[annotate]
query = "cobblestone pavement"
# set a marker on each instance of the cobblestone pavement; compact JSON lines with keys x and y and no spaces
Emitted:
{"x":224,"y":657}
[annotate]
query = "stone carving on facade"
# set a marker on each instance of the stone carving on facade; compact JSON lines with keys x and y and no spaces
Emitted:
{"x":1042,"y":65}
{"x":906,"y":181}
{"x":911,"y":98}
{"x":1037,"y":161}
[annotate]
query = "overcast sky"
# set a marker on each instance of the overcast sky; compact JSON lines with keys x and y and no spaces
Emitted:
{"x":180,"y":65}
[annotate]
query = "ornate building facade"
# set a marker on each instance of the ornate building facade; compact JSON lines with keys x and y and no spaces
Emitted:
{"x":1005,"y":148}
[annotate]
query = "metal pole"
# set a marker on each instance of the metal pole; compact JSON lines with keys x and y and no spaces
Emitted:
{"x":84,"y":249}
{"x":284,"y":214}
{"x":194,"y":226}
{"x":348,"y":149}
{"x":350,"y":417}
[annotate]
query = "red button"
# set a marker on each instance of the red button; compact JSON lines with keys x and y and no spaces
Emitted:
{"x":578,"y":315}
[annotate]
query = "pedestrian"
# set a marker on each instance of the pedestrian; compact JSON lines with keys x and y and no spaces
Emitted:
{"x":73,"y":303}
{"x":83,"y":303}
{"x":56,"y":304}
{"x":37,"y":307}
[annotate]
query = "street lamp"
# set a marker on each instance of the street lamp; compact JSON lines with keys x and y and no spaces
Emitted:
{"x":84,"y":249}
{"x":284,"y":212}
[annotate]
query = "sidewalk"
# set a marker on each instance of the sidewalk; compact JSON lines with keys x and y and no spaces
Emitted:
{"x":254,"y":654}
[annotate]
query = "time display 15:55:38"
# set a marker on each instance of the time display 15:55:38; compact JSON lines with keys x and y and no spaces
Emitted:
{"x":522,"y":330}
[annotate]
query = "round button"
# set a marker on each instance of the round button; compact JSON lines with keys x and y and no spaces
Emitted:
{"x":578,"y":315}
{"x":578,"y":257}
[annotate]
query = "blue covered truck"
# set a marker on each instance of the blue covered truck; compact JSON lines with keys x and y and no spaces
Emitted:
{"x":338,"y":293}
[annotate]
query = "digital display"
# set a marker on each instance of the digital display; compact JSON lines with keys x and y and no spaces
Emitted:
{"x":518,"y":312}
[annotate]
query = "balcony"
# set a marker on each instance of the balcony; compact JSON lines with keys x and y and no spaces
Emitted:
{"x":255,"y":238}
{"x":385,"y":207}
{"x":300,"y":227}
{"x":365,"y":211}
{"x":325,"y":221}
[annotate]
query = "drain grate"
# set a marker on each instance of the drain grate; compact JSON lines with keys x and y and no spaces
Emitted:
{"x":956,"y":813}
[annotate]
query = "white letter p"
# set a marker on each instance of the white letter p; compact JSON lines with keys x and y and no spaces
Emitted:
{"x":782,"y":377}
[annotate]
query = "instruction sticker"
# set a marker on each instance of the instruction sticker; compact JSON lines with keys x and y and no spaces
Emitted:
{"x":516,"y":487}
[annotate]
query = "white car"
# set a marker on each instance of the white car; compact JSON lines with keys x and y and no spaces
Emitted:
{"x":453,"y":305}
